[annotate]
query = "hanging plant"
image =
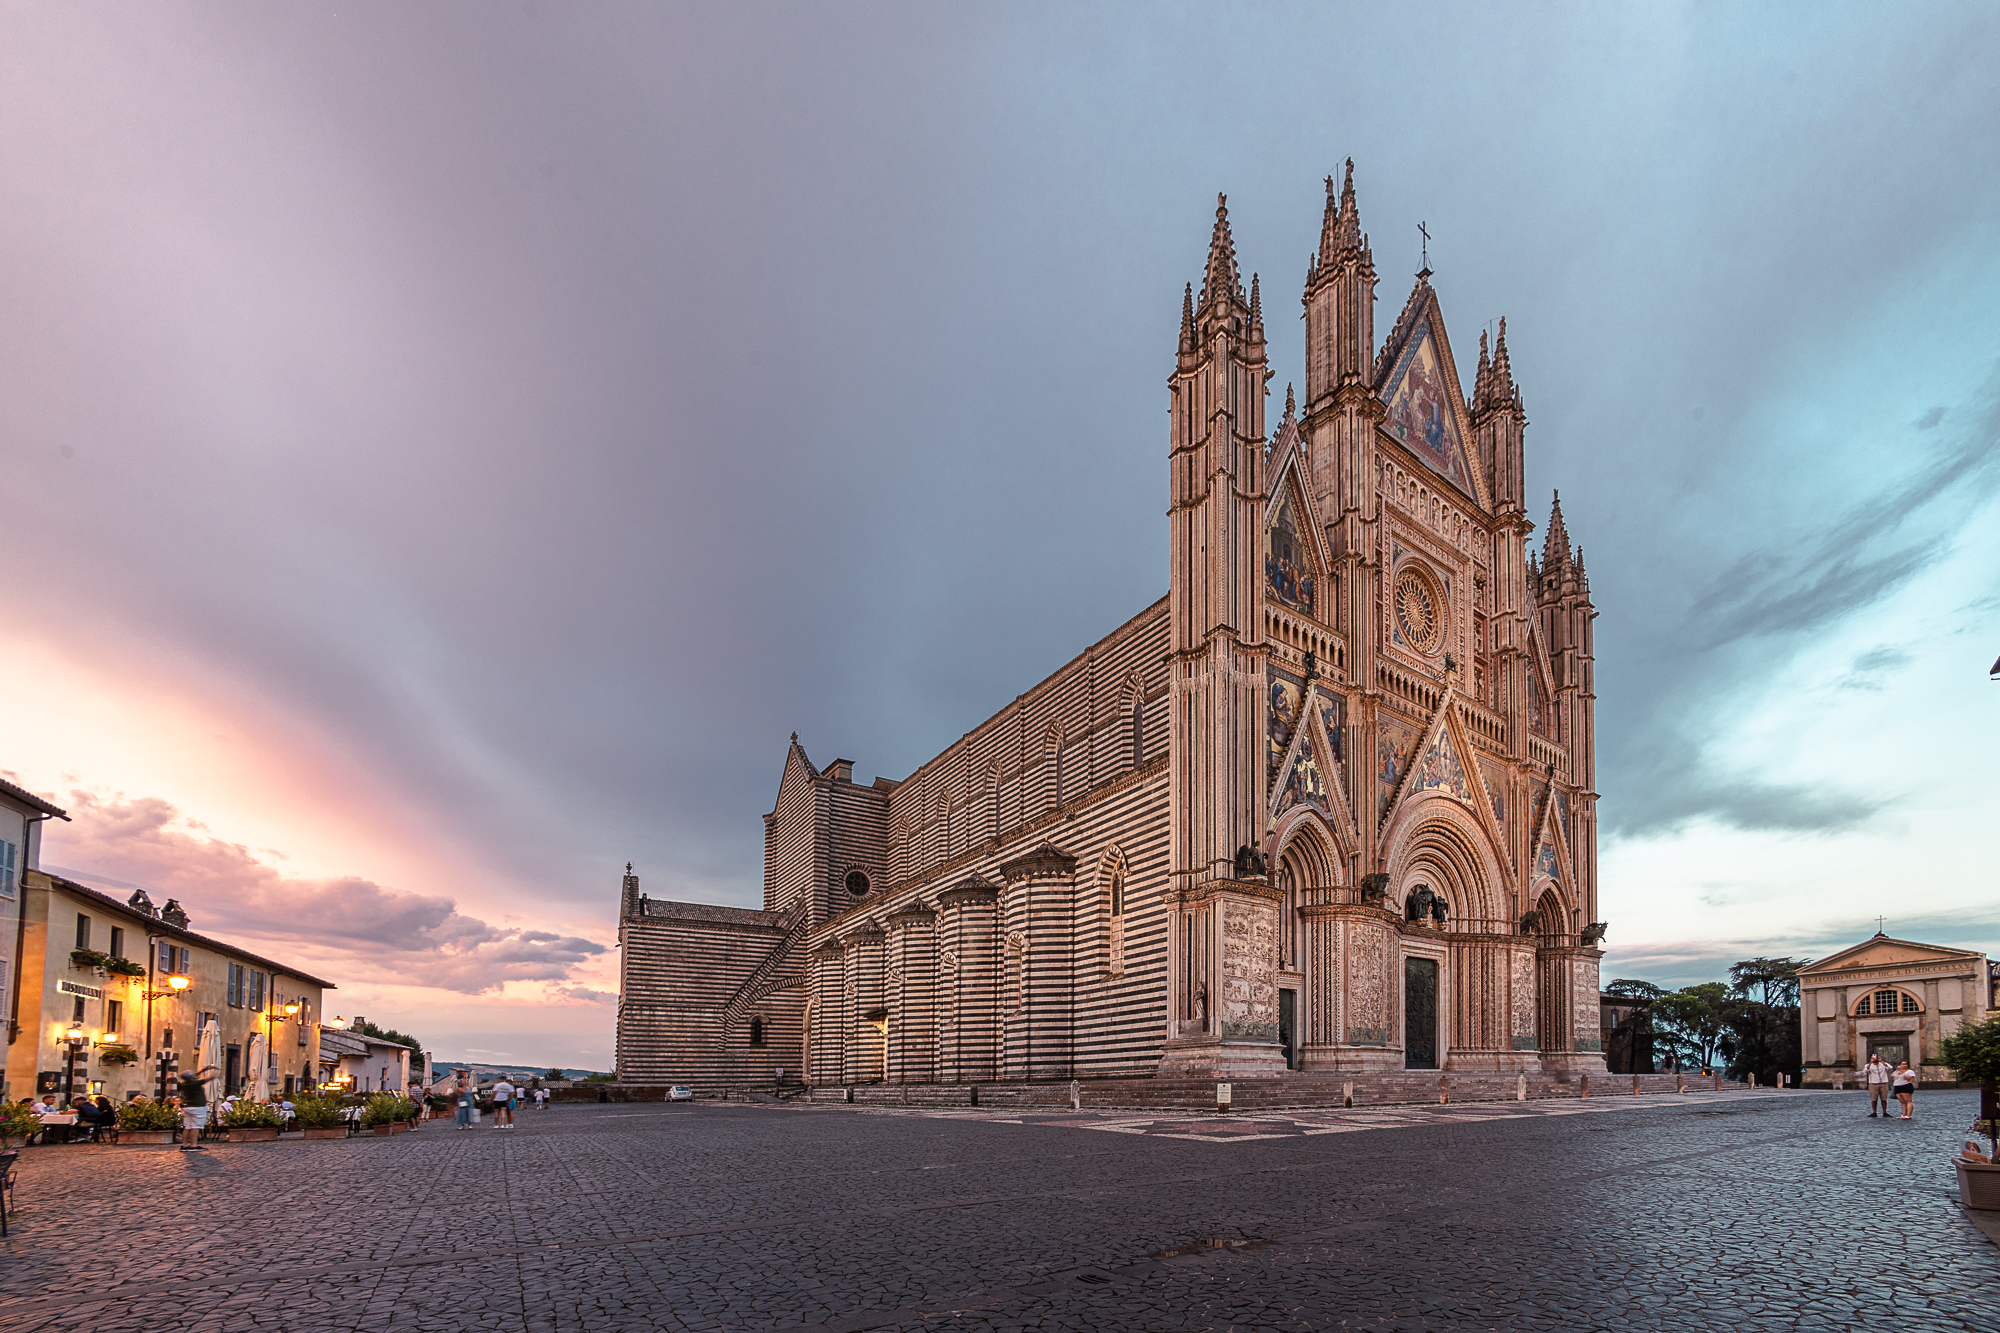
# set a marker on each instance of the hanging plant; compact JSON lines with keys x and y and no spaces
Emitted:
{"x":82,"y":958}
{"x":125,"y":967}
{"x":118,"y":1055}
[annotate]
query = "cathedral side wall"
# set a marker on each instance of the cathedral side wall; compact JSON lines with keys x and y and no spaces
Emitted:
{"x":678,"y":974}
{"x":1017,"y":980}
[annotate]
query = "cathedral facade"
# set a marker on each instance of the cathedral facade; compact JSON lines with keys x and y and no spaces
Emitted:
{"x":1327,"y":806}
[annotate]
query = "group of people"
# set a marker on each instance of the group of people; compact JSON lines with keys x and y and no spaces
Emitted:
{"x":507,"y":1099}
{"x":1883,"y":1081}
{"x":93,"y":1114}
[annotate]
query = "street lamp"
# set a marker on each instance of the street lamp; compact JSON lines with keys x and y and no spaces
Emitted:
{"x":75,"y":1039}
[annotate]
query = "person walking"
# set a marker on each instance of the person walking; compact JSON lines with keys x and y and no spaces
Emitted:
{"x":194,"y":1107}
{"x":503,"y":1104}
{"x":1905,"y":1084}
{"x":781,"y":1080}
{"x":1878,"y":1074}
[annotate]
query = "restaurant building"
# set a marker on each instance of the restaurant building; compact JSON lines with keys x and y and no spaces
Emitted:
{"x":364,"y":1063}
{"x":21,"y":816}
{"x":117,"y":997}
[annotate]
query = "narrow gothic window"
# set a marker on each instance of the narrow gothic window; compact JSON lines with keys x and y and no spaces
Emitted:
{"x":756,"y":1032}
{"x":1138,"y":734}
{"x":1114,"y":945}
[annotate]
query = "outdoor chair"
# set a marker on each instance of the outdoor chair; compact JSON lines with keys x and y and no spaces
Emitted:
{"x":7,"y":1163}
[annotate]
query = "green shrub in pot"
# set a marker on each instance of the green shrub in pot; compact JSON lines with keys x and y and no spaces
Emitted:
{"x":144,"y":1113}
{"x":315,"y":1112}
{"x":252,"y":1115}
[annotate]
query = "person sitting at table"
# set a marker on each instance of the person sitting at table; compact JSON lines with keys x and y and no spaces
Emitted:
{"x":107,"y":1115}
{"x":89,"y":1120}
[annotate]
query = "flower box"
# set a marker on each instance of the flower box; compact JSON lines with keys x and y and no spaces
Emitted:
{"x":383,"y":1131}
{"x":140,"y":1138}
{"x":1978,"y":1184}
{"x":252,"y":1135}
{"x":330,"y":1132}
{"x":399,"y":1126}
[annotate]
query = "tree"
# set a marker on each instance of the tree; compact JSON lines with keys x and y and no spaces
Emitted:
{"x":1689,"y":1022}
{"x":1973,"y":1053}
{"x":1776,"y":978}
{"x":556,"y":1074}
{"x":1627,"y":989}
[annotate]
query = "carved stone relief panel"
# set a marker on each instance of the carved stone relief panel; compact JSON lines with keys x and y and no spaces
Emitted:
{"x":1249,"y":1007}
{"x":1589,"y":1030}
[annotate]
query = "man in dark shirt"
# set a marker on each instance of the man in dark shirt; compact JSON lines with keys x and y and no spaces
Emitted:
{"x":194,"y":1107}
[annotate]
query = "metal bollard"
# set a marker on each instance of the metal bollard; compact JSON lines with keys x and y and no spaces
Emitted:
{"x":1718,"y":1083}
{"x":1635,"y":1085}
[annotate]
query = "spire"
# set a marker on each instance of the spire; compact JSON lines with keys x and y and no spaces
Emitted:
{"x":1256,"y":311}
{"x":1219,"y":281}
{"x":1481,"y":376}
{"x":1504,"y":389}
{"x":1187,"y":321}
{"x":1347,"y":231}
{"x":1329,"y":227}
{"x":1555,"y":547}
{"x":1291,"y":406}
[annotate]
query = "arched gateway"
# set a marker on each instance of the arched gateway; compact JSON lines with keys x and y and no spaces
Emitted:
{"x":1327,"y":806}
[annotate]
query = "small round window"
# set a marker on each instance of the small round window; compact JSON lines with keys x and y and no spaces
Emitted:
{"x":857,"y":883}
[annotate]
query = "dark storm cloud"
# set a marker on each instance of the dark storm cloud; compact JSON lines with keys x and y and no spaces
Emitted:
{"x":561,"y":406}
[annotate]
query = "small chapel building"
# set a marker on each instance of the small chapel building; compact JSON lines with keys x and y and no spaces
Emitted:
{"x":1893,"y":998}
{"x":1327,"y":806}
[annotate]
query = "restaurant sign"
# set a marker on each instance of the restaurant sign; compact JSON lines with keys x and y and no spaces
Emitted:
{"x":74,"y":988}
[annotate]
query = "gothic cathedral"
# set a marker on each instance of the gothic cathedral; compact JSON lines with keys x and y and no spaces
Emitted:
{"x":1326,"y":807}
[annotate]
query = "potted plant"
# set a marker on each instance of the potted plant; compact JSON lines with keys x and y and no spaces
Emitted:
{"x":124,"y":967}
{"x":143,"y":1121}
{"x":1974,"y":1054}
{"x":84,"y":960}
{"x":118,"y":1055}
{"x":252,"y":1122}
{"x":17,"y":1122}
{"x":319,"y":1117}
{"x":383,"y":1112}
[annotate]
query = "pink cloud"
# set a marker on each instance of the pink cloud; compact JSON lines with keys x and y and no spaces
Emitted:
{"x":341,"y":927}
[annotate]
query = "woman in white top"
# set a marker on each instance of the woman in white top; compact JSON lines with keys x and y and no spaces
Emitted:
{"x":1905,"y":1084}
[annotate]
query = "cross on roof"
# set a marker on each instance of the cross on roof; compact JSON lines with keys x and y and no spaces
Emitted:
{"x":1423,"y":229}
{"x":1878,"y":924}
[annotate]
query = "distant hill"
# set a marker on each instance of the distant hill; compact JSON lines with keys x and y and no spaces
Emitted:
{"x":481,"y":1069}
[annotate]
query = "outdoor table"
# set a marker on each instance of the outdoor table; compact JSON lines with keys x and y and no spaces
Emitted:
{"x":63,"y":1120}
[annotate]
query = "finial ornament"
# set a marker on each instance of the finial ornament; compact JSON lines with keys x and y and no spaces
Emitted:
{"x":628,"y":869}
{"x":795,"y":738}
{"x":1423,"y":229}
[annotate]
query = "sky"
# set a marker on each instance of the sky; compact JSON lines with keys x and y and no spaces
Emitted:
{"x":449,"y":448}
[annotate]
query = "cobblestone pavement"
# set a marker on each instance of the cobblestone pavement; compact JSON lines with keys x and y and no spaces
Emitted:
{"x":1783,"y":1210}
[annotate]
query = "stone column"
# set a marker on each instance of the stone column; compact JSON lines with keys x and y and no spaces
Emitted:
{"x":912,"y":973}
{"x":969,"y":959}
{"x":1226,"y":950}
{"x":831,"y":1019}
{"x":865,"y":1010}
{"x":1041,"y":1036}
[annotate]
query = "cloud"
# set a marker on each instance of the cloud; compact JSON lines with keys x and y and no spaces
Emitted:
{"x":585,"y":994}
{"x":346,"y":926}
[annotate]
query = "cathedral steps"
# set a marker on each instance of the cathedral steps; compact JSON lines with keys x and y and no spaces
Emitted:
{"x":1285,"y":1091}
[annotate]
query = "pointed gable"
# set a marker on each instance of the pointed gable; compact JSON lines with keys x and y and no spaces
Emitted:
{"x":1423,"y":411}
{"x":1885,"y":951}
{"x":1439,"y":769}
{"x":1291,"y":570}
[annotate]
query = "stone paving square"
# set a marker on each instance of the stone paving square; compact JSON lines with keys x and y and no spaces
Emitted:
{"x":1776,"y":1211}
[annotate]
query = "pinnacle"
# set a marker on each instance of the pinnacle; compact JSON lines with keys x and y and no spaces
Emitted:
{"x":1481,"y":376}
{"x":1256,"y":310}
{"x":1347,"y":234}
{"x":1187,"y":320}
{"x":1555,"y":547}
{"x":1220,"y":281}
{"x":1291,"y":405}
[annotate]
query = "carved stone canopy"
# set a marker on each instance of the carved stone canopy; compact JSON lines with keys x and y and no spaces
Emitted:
{"x":1047,"y":861}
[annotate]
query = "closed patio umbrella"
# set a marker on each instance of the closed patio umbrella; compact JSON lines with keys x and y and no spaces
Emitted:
{"x":210,"y":1046}
{"x":256,"y":1083}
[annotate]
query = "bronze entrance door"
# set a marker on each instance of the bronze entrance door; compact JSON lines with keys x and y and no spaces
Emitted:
{"x":1288,"y":1026}
{"x":1420,"y":1013}
{"x":1894,"y":1047}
